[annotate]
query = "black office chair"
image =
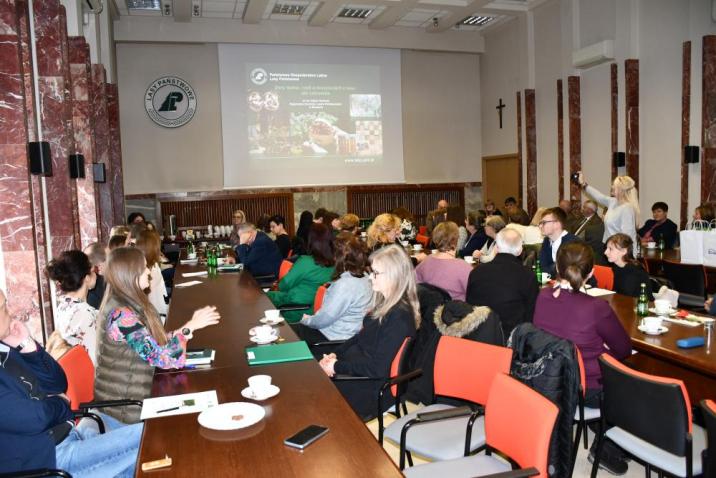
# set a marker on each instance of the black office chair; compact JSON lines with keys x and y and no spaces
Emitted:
{"x":689,"y":280}
{"x":40,"y":473}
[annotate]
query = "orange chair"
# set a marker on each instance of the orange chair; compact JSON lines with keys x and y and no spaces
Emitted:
{"x":318,"y":299}
{"x":284,"y":268}
{"x":423,"y":230}
{"x":708,"y":408}
{"x":605,"y":277}
{"x":518,"y":422}
{"x":584,"y":414}
{"x":437,"y":431}
{"x":424,"y":240}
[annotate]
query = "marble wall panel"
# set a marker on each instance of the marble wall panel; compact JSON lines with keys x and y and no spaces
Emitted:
{"x":708,"y":120}
{"x":115,"y":154}
{"x":631,"y":100}
{"x":560,"y":139}
{"x":531,"y":150}
{"x":336,"y":201}
{"x":519,"y":144}
{"x":685,"y":129}
{"x":574,"y":99}
{"x":102,"y":149}
{"x":615,"y":116}
{"x":473,"y":199}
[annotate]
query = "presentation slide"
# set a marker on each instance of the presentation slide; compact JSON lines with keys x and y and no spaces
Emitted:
{"x":294,"y":116}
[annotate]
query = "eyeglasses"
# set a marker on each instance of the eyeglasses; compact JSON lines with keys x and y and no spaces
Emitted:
{"x":542,"y":223}
{"x":374,"y":274}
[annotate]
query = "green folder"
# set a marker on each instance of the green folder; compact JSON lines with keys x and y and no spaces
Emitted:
{"x":286,"y":352}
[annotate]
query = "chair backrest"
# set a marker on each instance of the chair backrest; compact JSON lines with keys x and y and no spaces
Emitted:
{"x":519,"y":422}
{"x":465,"y":369}
{"x":318,"y":299}
{"x":605,"y":277}
{"x":79,"y":370}
{"x":284,"y":268}
{"x":399,"y":365}
{"x":687,"y":278}
{"x":708,"y":407}
{"x":582,"y":373}
{"x":424,"y":240}
{"x":655,"y":409}
{"x":423,"y":230}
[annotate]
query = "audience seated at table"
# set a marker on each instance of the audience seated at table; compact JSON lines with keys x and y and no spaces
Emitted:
{"x":491,"y":209}
{"x":574,"y":218}
{"x":151,"y":246}
{"x":622,"y":206}
{"x":493,"y":225}
{"x":131,"y":340}
{"x":442,"y":269}
{"x":531,"y":233}
{"x":591,"y":230}
{"x":383,"y":232}
{"x":135,"y":217}
{"x":36,"y":423}
{"x":588,"y":322}
{"x":278,"y":228}
{"x":350,"y":223}
{"x":436,"y":216}
{"x":476,"y":237}
{"x":257,"y":252}
{"x":514,"y":213}
{"x":238,"y":217}
{"x":628,"y":272}
{"x":504,"y":284}
{"x":75,"y":319}
{"x":299,"y":285}
{"x":299,"y":243}
{"x":97,"y":254}
{"x":408,"y":229}
{"x":394,"y":315}
{"x":555,"y":235}
{"x":263,"y":224}
{"x":660,"y":227}
{"x":346,"y":301}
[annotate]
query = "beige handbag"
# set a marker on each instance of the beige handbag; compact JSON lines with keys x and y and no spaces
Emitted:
{"x":56,"y":346}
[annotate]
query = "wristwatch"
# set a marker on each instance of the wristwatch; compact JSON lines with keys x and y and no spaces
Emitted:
{"x":186,"y":332}
{"x":24,"y":343}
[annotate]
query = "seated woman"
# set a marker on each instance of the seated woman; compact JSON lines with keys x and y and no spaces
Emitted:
{"x":309,"y":272}
{"x":238,"y":218}
{"x":442,"y":269}
{"x":493,"y":225}
{"x":383,"y":232}
{"x":278,"y":228}
{"x":588,"y":322}
{"x":394,"y":315}
{"x":350,"y":223}
{"x":346,"y":300}
{"x":476,"y":238}
{"x":76,"y":320}
{"x":36,"y":423}
{"x":704,"y":213}
{"x":408,"y":231}
{"x":299,"y":243}
{"x":149,"y":243}
{"x":131,"y":338}
{"x":628,"y":273}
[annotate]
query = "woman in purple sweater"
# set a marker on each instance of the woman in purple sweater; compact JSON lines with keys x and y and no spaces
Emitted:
{"x":588,"y":322}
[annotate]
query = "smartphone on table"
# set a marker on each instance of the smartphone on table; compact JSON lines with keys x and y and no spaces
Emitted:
{"x":306,"y":436}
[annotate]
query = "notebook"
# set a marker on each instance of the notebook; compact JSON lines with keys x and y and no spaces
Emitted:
{"x":285,"y":352}
{"x":200,"y":356}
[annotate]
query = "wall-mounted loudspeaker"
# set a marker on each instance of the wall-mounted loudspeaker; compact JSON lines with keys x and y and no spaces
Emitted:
{"x":40,"y":158}
{"x":99,"y":173}
{"x":77,"y":166}
{"x":691,"y":154}
{"x":619,"y":158}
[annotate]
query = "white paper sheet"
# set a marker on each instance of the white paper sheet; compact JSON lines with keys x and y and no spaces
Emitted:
{"x":188,"y":284}
{"x":177,"y":404}
{"x":194,"y":274}
{"x":597,"y":292}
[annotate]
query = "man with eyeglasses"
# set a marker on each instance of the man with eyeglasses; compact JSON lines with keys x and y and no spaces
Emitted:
{"x":553,"y":228}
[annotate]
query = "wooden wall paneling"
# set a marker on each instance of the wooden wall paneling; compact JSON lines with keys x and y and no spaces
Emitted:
{"x":685,"y":129}
{"x":708,"y":120}
{"x":531,"y":150}
{"x":631,"y":99}
{"x":575,"y":138}
{"x":615,"y":117}
{"x":560,"y":139}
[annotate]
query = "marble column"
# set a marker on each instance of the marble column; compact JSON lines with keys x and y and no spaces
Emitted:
{"x":53,"y":85}
{"x":575,"y":137}
{"x":685,"y":129}
{"x":115,"y":155}
{"x":531,"y":150}
{"x":519,"y":145}
{"x":631,"y":99}
{"x":17,"y":227}
{"x":102,"y":149}
{"x":708,"y":120}
{"x":615,"y":116}
{"x":560,"y":139}
{"x":82,"y":128}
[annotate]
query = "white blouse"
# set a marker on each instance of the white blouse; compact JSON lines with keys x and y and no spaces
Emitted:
{"x":158,"y":290}
{"x":76,"y":321}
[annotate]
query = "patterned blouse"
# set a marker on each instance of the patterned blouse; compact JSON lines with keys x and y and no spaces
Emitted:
{"x":77,"y":323}
{"x":124,"y":326}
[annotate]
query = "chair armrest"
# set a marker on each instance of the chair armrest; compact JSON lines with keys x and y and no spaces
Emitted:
{"x":93,"y":416}
{"x":287,"y":307}
{"x":265,"y":277}
{"x":348,"y":378}
{"x":39,"y":473}
{"x":110,"y":403}
{"x":444,"y":414}
{"x":405,"y":377}
{"x":523,"y":473}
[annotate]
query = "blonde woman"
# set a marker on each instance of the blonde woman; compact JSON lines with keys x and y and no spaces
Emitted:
{"x":238,"y":218}
{"x":623,"y":206}
{"x":383,"y":231}
{"x":493,"y":225}
{"x":131,"y":340}
{"x":394,"y":315}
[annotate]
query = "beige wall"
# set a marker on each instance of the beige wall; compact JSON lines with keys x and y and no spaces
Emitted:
{"x":441,"y":119}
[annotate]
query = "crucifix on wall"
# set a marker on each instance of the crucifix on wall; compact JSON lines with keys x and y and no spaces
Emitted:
{"x":500,"y":106}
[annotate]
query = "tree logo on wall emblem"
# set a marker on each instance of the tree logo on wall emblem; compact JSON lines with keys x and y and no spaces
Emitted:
{"x":170,"y":102}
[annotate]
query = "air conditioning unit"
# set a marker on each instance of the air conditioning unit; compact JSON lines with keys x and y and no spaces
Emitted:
{"x":93,"y":6}
{"x":593,"y":55}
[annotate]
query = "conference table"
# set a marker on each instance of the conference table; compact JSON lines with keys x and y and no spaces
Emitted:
{"x":307,"y":397}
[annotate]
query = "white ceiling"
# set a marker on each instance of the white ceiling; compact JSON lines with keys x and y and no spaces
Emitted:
{"x":432,"y":16}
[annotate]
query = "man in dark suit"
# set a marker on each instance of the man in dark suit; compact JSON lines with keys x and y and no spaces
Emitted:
{"x":437,"y":216}
{"x":553,"y":227}
{"x":661,"y":227}
{"x":504,"y":284}
{"x":515,"y":213}
{"x":591,"y":230}
{"x":257,"y":252}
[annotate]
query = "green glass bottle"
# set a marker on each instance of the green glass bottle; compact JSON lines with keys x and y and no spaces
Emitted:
{"x":662,"y":245}
{"x":538,"y":272}
{"x":190,"y":250}
{"x":642,"y":305}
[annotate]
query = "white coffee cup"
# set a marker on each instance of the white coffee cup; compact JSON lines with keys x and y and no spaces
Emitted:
{"x":546,"y":277}
{"x":172,"y":237}
{"x":652,"y":324}
{"x":272,"y":314}
{"x":418,"y":247}
{"x":404,"y":243}
{"x":363,"y":234}
{"x":469,"y":259}
{"x":264,"y":332}
{"x":260,"y":384}
{"x":434,"y":251}
{"x":662,"y":307}
{"x":651,"y":245}
{"x":191,"y":256}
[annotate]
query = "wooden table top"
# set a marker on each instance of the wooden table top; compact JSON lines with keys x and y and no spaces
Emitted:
{"x":307,"y":397}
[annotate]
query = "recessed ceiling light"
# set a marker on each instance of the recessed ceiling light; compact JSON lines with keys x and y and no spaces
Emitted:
{"x":288,"y":9}
{"x":475,"y":20}
{"x":144,"y":4}
{"x":358,"y":13}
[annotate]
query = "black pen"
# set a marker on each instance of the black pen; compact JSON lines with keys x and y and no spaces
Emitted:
{"x":168,"y":410}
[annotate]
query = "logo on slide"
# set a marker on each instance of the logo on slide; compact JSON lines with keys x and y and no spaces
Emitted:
{"x":170,"y":102}
{"x":258,"y":76}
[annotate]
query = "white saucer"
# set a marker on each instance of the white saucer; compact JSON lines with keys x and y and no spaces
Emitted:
{"x":266,"y":320}
{"x":271,"y":392}
{"x":671,"y":311}
{"x":256,"y":340}
{"x":225,"y":416}
{"x":662,"y":330}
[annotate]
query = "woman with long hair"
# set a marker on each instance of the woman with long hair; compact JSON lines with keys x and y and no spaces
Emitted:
{"x":238,"y":218}
{"x":131,"y":339}
{"x":383,"y":231}
{"x":299,"y":243}
{"x":628,"y":273}
{"x":394,"y":315}
{"x":623,"y":206}
{"x":310,"y":271}
{"x":151,"y":246}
